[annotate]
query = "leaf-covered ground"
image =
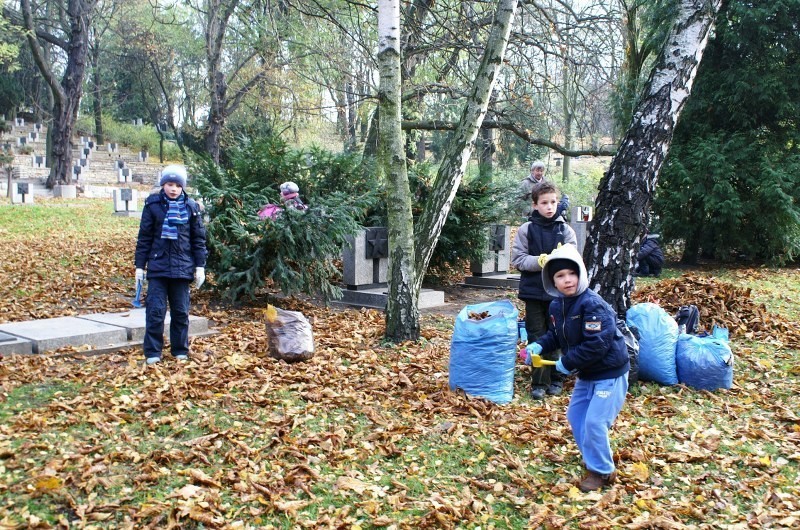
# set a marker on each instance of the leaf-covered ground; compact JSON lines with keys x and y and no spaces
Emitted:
{"x":366,"y":434}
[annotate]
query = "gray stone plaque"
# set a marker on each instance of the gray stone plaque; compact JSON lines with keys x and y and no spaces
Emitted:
{"x":23,"y":188}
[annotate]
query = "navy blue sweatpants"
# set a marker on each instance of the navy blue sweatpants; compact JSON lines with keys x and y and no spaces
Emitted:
{"x":159,"y":292}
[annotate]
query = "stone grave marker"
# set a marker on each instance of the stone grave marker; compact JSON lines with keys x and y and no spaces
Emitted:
{"x":142,"y":156}
{"x":76,"y":170}
{"x":33,"y":135}
{"x":19,"y":122}
{"x":53,"y":333}
{"x":124,"y":175}
{"x":22,"y":193}
{"x":365,"y":260}
{"x":112,"y":147}
{"x":86,"y":152}
{"x":38,"y":161}
{"x":65,"y":191}
{"x":22,"y":140}
{"x":125,"y":202}
{"x":38,"y":127}
{"x":119,"y":164}
{"x":581,"y":218}
{"x":10,"y":344}
{"x":492,"y":272}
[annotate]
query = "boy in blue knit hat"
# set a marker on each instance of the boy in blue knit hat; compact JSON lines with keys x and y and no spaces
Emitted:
{"x":172,"y":247}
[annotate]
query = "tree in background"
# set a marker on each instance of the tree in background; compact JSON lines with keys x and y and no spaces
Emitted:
{"x":626,"y":191}
{"x":731,"y":185}
{"x":408,"y":270}
{"x":73,"y":39}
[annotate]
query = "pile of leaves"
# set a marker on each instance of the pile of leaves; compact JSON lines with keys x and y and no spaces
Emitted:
{"x":723,"y":304}
{"x":364,"y":435}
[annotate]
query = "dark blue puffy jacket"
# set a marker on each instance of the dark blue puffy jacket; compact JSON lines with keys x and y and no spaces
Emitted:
{"x":170,"y":258}
{"x":650,"y":248}
{"x":584,"y":327}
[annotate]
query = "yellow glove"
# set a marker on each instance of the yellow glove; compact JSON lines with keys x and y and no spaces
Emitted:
{"x":542,"y":260}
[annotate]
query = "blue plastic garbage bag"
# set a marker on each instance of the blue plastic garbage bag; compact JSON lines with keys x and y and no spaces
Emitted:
{"x":705,"y":363}
{"x":658,"y":335}
{"x":483,"y":352}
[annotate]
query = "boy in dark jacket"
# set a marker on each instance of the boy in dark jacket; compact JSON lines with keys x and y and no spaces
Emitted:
{"x":172,"y":247}
{"x":543,"y":232}
{"x":584,"y":326}
{"x":650,"y":257}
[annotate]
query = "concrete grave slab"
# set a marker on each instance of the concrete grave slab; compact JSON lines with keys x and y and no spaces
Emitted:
{"x":376,"y":298}
{"x":10,"y":344}
{"x":133,"y":322}
{"x":53,"y":333}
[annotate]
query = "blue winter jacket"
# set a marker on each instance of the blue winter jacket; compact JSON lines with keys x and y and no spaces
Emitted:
{"x":584,"y":327}
{"x":170,"y":258}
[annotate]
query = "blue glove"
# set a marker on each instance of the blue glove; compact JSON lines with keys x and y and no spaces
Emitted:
{"x":533,"y":348}
{"x":560,"y":367}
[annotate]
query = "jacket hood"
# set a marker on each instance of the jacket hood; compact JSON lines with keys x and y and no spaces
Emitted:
{"x":568,"y":252}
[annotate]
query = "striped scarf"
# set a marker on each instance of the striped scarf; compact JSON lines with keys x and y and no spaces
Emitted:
{"x":176,"y":215}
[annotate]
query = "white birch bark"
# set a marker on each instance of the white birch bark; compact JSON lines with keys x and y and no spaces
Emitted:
{"x":622,"y":209}
{"x":462,"y":143}
{"x":402,"y":312}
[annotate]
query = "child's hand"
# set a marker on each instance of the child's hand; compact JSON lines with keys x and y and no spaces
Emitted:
{"x":560,"y":367}
{"x":542,"y":260}
{"x":533,"y":348}
{"x":524,"y":357}
{"x":139,"y":275}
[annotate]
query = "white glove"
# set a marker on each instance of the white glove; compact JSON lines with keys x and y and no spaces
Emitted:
{"x":199,"y":276}
{"x":140,"y":275}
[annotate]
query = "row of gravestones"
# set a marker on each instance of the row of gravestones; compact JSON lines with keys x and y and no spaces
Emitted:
{"x":365,"y":258}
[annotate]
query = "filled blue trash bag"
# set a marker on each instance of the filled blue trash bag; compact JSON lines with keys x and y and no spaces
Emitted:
{"x":705,"y":363}
{"x":483,"y":353}
{"x":658,"y":336}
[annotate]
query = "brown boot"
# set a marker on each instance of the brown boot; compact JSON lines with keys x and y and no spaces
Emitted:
{"x":595,"y":481}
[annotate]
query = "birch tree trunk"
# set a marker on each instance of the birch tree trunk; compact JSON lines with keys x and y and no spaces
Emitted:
{"x":402,"y":312}
{"x":622,"y":209}
{"x":460,"y":147}
{"x":407,"y":261}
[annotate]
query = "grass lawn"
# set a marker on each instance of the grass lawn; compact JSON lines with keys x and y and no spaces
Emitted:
{"x":364,"y":435}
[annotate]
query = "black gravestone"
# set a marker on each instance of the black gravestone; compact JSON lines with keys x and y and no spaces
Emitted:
{"x":126,"y":194}
{"x":23,"y":188}
{"x":76,"y":170}
{"x":497,"y":238}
